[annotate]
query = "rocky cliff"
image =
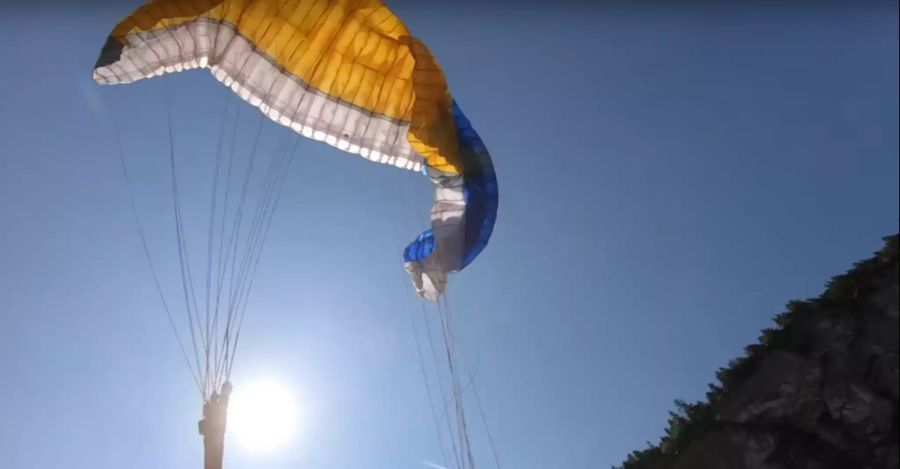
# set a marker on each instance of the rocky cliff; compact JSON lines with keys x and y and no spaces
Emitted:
{"x":819,"y":391}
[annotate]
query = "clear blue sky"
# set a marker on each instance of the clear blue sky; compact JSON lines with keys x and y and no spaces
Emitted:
{"x":669,"y":177}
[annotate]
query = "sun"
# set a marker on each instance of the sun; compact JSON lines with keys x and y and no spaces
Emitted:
{"x":262,"y":416}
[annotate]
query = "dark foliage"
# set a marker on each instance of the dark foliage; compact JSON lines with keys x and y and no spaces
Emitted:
{"x":691,"y":421}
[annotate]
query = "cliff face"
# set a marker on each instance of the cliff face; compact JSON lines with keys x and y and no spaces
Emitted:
{"x":820,"y":390}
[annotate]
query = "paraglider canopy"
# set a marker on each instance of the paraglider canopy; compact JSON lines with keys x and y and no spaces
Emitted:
{"x":346,"y":72}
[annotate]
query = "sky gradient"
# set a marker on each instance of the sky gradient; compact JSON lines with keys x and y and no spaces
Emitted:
{"x":669,"y":178}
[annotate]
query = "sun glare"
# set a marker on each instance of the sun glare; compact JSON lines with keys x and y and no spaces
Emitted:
{"x":262,"y":416}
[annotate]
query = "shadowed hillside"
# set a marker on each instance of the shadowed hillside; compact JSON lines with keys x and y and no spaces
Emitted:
{"x":819,"y":390}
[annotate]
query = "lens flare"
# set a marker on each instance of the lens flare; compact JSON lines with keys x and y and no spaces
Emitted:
{"x":262,"y":416}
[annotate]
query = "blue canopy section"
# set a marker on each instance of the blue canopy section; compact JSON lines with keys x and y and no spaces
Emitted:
{"x":420,"y":248}
{"x":481,"y":195}
{"x":480,"y":182}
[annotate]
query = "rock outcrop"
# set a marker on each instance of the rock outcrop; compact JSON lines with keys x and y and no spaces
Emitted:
{"x":820,"y":390}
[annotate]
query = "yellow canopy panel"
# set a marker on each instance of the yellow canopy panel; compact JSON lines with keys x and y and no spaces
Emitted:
{"x":346,"y":72}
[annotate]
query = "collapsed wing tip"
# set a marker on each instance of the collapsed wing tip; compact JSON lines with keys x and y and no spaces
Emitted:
{"x":429,"y":284}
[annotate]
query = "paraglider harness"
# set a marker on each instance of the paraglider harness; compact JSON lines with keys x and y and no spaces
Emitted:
{"x":212,"y":427}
